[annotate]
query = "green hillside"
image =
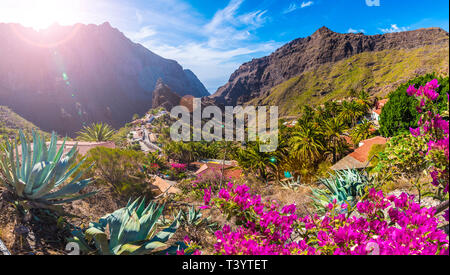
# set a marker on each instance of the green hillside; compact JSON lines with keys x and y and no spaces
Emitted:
{"x":376,"y":72}
{"x":10,"y":123}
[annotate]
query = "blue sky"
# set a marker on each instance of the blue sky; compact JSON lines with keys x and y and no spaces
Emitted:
{"x":213,"y":38}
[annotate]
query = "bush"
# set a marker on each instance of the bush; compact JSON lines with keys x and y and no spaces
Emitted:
{"x":400,"y":113}
{"x":120,"y":169}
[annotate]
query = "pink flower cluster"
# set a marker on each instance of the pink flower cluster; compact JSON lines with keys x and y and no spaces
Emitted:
{"x":396,"y":225}
{"x":436,"y":130}
{"x":180,"y":167}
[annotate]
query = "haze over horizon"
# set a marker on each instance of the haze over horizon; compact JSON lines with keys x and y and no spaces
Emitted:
{"x":214,"y":38}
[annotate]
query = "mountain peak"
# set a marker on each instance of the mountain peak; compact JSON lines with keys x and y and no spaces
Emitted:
{"x":322,"y":31}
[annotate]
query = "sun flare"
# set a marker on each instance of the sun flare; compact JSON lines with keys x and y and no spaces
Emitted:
{"x":43,"y":13}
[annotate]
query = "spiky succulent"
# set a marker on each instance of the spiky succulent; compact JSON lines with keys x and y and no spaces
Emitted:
{"x":42,"y":175}
{"x":131,"y":230}
{"x":344,"y":187}
{"x":194,"y":218}
{"x":96,"y":132}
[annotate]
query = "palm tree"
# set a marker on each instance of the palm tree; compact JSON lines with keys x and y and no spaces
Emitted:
{"x":364,"y":99}
{"x":333,"y":129}
{"x":362,"y":131}
{"x":96,"y":132}
{"x":307,"y":144}
{"x":351,"y":111}
{"x":255,"y":161}
{"x":332,"y":108}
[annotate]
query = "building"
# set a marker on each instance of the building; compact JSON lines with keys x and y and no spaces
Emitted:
{"x":376,"y":112}
{"x":360,"y":157}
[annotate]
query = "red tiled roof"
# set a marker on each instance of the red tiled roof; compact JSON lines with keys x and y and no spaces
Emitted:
{"x":360,"y":157}
{"x":362,"y":153}
{"x":380,"y":105}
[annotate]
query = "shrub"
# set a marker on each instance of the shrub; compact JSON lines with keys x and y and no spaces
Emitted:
{"x":400,"y":113}
{"x":121,"y":169}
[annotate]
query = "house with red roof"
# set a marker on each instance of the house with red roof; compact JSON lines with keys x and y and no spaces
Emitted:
{"x":359,"y":158}
{"x":376,"y":112}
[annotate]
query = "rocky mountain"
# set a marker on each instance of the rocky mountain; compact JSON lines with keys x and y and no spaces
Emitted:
{"x":164,"y":97}
{"x":64,"y":77}
{"x":327,"y":61}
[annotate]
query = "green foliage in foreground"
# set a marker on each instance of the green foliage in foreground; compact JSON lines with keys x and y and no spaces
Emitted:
{"x":131,"y":230}
{"x":41,"y":175}
{"x":400,"y":113}
{"x":344,"y":187}
{"x":96,"y":132}
{"x":120,"y":169}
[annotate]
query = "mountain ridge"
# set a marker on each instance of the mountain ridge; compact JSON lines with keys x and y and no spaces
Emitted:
{"x":255,"y":79}
{"x":65,"y":77}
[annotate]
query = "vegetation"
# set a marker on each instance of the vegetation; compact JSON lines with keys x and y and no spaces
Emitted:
{"x":41,"y":175}
{"x":10,"y":123}
{"x":345,"y":187}
{"x":400,"y":113}
{"x":131,"y":230}
{"x":121,"y":169}
{"x":96,"y":132}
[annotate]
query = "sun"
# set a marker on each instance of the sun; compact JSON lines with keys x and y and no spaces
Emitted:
{"x":41,"y":14}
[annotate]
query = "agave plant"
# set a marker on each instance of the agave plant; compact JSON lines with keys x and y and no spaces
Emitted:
{"x":344,"y":187}
{"x":129,"y":231}
{"x":96,"y":132}
{"x":194,"y":218}
{"x":291,"y":184}
{"x":44,"y":175}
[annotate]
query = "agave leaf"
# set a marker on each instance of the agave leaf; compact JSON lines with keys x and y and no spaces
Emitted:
{"x":68,"y":189}
{"x":36,"y":173}
{"x":130,"y":229}
{"x":148,"y":222}
{"x":101,"y":239}
{"x":148,"y":247}
{"x":164,"y":235}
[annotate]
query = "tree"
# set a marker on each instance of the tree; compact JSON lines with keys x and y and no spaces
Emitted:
{"x":361,"y":131}
{"x":351,"y":111}
{"x":96,"y":132}
{"x":307,"y":144}
{"x":333,"y":129}
{"x":262,"y":164}
{"x":400,"y":113}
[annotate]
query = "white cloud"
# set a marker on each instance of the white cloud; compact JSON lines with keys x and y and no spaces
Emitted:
{"x":293,"y":6}
{"x":351,"y":30}
{"x":144,"y":33}
{"x":306,"y":4}
{"x":394,"y":28}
